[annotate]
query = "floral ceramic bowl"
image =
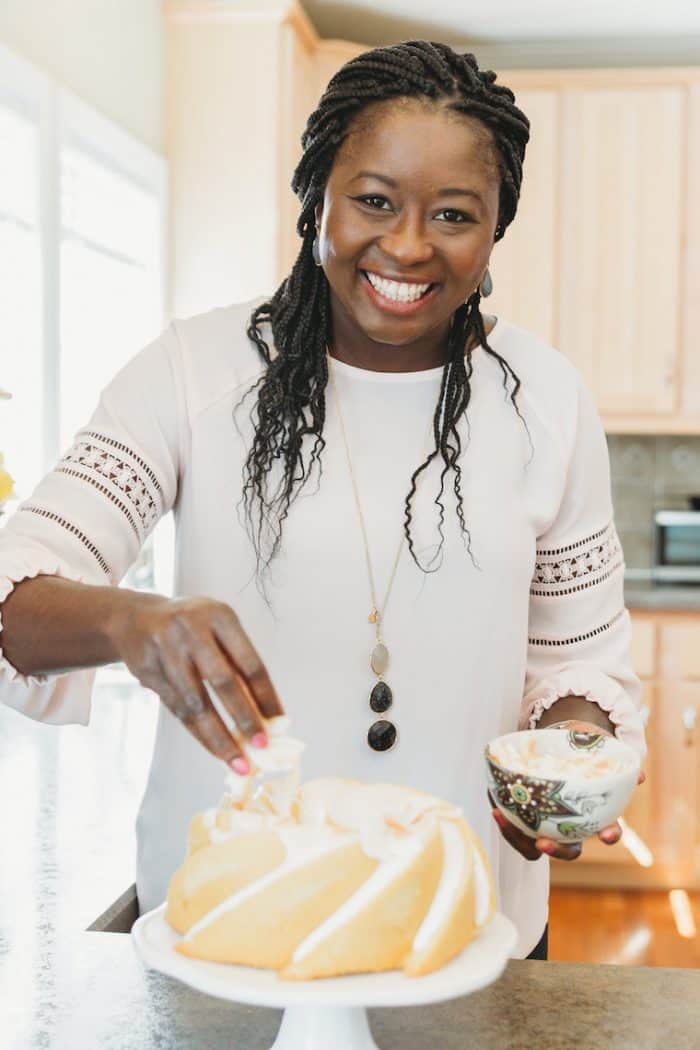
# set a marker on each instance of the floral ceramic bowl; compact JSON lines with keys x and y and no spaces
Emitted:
{"x":562,"y":784}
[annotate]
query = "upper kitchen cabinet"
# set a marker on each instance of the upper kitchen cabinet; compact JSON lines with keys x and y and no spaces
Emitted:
{"x":309,"y":63}
{"x":523,"y":264}
{"x":621,"y":240}
{"x":603,"y":259}
{"x":242,"y":77}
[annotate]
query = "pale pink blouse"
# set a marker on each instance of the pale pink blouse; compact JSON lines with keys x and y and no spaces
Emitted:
{"x":476,"y":650}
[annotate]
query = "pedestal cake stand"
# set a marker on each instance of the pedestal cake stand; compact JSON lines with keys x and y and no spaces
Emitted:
{"x":330,"y":1012}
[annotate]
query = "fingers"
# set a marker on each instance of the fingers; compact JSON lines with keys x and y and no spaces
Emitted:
{"x":559,"y":850}
{"x":517,"y":839}
{"x":214,"y":667}
{"x":642,"y":777}
{"x":194,"y":653}
{"x":183,"y":693}
{"x":241,"y":651}
{"x":532,"y":849}
{"x":611,"y":834}
{"x":213,"y":664}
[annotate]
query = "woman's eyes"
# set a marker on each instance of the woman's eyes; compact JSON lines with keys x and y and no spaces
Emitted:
{"x":366,"y":200}
{"x":461,"y":215}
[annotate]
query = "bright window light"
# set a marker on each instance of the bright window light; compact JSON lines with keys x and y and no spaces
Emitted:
{"x":109,"y":279}
{"x":636,"y":846}
{"x":21,"y":431}
{"x":682,"y":913}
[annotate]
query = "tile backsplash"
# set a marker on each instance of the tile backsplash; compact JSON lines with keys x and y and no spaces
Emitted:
{"x":649,"y":474}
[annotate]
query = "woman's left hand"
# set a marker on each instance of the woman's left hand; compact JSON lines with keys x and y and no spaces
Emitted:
{"x":532,"y":849}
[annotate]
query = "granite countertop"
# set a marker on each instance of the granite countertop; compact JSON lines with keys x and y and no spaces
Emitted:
{"x":70,"y":796}
{"x":91,"y":990}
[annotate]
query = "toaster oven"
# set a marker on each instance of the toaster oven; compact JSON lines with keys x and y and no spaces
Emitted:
{"x":677,"y":546}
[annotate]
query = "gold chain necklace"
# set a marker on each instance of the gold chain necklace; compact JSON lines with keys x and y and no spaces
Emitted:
{"x":382,"y":734}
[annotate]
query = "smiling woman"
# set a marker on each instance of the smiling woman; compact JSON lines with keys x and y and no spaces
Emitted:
{"x":455,"y":560}
{"x":402,"y":270}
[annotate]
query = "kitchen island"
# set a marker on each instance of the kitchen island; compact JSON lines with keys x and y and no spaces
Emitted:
{"x":69,"y":801}
{"x":91,"y":990}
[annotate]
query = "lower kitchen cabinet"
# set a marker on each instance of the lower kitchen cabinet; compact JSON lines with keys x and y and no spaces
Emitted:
{"x":664,"y":811}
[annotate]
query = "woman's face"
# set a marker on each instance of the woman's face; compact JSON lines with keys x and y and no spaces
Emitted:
{"x":412,"y":199}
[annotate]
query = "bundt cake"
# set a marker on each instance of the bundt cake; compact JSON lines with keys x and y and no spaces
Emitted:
{"x":332,"y":877}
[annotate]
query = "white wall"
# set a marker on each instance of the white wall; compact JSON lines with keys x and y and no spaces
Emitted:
{"x":109,"y":52}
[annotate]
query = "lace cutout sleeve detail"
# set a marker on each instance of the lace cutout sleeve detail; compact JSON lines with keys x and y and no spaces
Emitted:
{"x":120,"y":474}
{"x":70,"y":527}
{"x":578,"y":566}
{"x":585,"y":636}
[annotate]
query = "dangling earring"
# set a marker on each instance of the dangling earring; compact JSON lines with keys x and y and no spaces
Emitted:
{"x":486,"y":286}
{"x":315,"y":250}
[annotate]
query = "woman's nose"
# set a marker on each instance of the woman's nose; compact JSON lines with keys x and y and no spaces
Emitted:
{"x":407,"y":242}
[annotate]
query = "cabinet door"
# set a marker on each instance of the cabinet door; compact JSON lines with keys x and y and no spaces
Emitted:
{"x":523,"y":263}
{"x":621,"y":242}
{"x":677,"y":792}
{"x":297,"y":100}
{"x":643,"y":647}
{"x":677,"y":787}
{"x":639,"y":815}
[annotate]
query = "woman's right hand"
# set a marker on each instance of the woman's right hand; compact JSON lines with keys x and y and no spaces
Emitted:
{"x":173,"y":645}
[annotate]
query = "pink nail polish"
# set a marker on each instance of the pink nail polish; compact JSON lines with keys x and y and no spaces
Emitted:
{"x":548,"y":847}
{"x":240,"y":765}
{"x":259,"y":740}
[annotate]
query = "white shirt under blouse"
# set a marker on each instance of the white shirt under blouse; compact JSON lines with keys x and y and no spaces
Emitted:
{"x":476,"y":649}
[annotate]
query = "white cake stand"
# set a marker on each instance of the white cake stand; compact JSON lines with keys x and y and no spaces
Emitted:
{"x":330,"y":1012}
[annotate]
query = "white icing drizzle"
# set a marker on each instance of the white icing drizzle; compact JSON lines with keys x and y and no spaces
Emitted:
{"x":387,"y":871}
{"x":383,"y":815}
{"x":529,"y":758}
{"x":454,"y":870}
{"x":274,"y":771}
{"x":297,"y":856}
{"x":244,"y":822}
{"x":482,"y":889}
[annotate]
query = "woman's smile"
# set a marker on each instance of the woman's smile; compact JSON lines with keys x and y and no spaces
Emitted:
{"x":399,"y":298}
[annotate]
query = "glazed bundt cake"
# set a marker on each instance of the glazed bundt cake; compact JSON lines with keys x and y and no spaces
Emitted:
{"x":333,"y":877}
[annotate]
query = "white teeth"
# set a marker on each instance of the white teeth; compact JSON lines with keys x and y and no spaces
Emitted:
{"x":399,"y":291}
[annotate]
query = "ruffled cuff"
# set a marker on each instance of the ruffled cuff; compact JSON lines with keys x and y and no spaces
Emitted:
{"x":13,"y":569}
{"x":592,"y":685}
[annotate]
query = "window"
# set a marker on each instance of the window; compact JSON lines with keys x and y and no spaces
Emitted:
{"x":21,"y":328}
{"x":82,"y":250}
{"x":110,"y":266}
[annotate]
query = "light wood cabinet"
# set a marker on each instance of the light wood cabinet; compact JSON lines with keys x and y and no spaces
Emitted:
{"x":678,"y":751}
{"x":620,"y":242}
{"x":603,"y":258}
{"x":665,"y":810}
{"x":523,"y":264}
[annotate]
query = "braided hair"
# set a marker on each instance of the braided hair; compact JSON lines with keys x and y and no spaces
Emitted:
{"x":291,"y":393}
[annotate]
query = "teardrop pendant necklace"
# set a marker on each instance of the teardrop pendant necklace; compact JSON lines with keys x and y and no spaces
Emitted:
{"x":382,"y":734}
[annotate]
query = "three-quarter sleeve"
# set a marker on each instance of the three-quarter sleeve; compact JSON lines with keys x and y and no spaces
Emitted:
{"x":88,"y":517}
{"x":579,"y":630}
